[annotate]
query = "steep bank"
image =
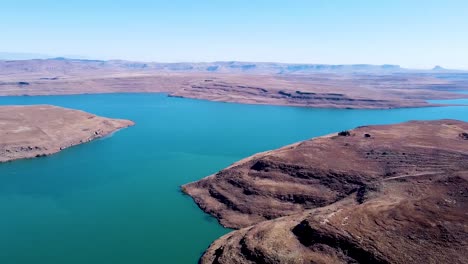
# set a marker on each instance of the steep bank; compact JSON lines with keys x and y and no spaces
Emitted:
{"x":364,"y":196}
{"x":40,"y":130}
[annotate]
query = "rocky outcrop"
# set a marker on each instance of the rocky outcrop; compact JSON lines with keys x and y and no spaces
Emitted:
{"x":36,"y":131}
{"x":399,"y":195}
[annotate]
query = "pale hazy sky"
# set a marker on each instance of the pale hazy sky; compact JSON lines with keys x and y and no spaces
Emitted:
{"x":412,"y":33}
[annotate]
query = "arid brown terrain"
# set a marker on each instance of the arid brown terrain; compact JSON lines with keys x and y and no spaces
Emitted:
{"x":375,"y":194}
{"x":331,"y":86}
{"x":35,"y":131}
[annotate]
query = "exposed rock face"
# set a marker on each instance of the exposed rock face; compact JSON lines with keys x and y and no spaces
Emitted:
{"x":398,"y":196}
{"x":35,"y":131}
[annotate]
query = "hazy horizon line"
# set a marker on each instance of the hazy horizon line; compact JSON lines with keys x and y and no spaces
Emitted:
{"x":16,"y":56}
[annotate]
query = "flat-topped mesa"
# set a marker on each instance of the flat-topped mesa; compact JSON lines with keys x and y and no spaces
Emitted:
{"x":40,"y":130}
{"x":360,"y":196}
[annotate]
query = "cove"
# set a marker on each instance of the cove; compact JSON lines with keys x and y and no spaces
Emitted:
{"x":117,"y":200}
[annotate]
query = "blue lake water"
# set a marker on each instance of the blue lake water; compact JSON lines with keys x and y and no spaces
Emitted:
{"x":450,"y":101}
{"x":117,"y":200}
{"x":463,"y":101}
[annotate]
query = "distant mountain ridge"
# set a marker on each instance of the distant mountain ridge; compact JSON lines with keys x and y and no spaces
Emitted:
{"x":60,"y":65}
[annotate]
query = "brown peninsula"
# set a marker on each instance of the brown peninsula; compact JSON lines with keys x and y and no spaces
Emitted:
{"x":40,"y":130}
{"x":375,"y":194}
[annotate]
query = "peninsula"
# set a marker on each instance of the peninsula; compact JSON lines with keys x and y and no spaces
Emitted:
{"x":375,"y":194}
{"x":40,"y":130}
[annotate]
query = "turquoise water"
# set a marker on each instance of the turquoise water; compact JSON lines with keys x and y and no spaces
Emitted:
{"x":450,"y":101}
{"x":463,"y":101}
{"x":117,"y":200}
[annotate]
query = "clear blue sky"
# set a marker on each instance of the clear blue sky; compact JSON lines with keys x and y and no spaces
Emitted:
{"x":412,"y":33}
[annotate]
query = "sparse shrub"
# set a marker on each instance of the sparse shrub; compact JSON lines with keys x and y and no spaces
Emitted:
{"x":344,"y":133}
{"x":284,"y":93}
{"x":464,"y":135}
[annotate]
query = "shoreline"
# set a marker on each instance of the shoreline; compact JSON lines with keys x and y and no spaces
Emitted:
{"x":420,"y":104}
